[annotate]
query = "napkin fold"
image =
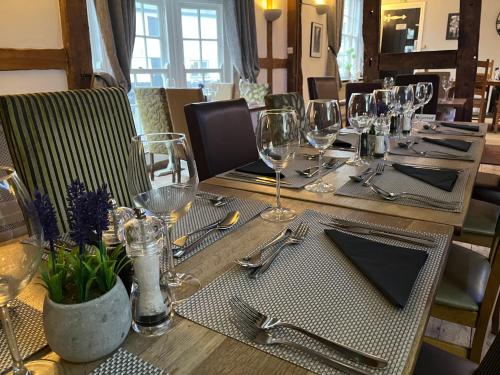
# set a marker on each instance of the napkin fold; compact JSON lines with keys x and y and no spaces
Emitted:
{"x":258,"y":168}
{"x":472,"y":128}
{"x":341,"y":144}
{"x":455,"y":144}
{"x":443,"y":179}
{"x":391,"y":269}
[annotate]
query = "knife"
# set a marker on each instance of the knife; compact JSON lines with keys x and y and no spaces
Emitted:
{"x":260,"y":179}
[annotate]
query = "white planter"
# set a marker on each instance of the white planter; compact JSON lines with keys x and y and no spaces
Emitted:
{"x":85,"y":332}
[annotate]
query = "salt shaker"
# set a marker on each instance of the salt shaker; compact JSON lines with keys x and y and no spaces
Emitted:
{"x":152,"y":311}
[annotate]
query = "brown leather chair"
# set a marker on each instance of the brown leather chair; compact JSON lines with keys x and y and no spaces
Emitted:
{"x":362,"y":87}
{"x":222,"y":136}
{"x":323,"y":88}
{"x":177,"y":99}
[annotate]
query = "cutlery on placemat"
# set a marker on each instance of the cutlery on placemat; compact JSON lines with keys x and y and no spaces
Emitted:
{"x":361,"y":176}
{"x":228,"y":222}
{"x":434,"y":128}
{"x":258,"y":179}
{"x":216,"y":200}
{"x":430,"y":153}
{"x":254,"y":259}
{"x":379,"y":169}
{"x":434,"y":202}
{"x":181,"y":241}
{"x":246,"y":312}
{"x":296,"y":237}
{"x":308,"y":172}
{"x":428,"y":167}
{"x":262,"y":337}
{"x":366,"y":230}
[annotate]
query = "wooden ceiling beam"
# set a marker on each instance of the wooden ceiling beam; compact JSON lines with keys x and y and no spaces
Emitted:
{"x":33,"y":59}
{"x":418,"y":60}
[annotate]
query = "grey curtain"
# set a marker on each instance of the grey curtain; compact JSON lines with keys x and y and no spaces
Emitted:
{"x":334,"y":25}
{"x":241,"y":37}
{"x":117,"y":24}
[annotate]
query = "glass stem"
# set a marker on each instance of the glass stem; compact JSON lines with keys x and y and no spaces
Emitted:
{"x":278,"y":200}
{"x":422,"y":109}
{"x":320,"y":162}
{"x":359,"y":146}
{"x":446,"y":94}
{"x":17,"y":365}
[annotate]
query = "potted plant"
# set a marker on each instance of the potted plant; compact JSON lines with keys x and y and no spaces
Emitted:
{"x":86,"y":311}
{"x":350,"y":56}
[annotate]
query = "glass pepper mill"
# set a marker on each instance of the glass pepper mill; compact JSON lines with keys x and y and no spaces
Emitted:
{"x":152,"y":311}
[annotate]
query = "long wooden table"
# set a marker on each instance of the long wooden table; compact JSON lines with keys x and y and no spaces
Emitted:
{"x":192,"y":349}
{"x":341,"y":176}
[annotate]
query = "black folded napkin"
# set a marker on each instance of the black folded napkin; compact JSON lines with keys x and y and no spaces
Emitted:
{"x":259,"y":168}
{"x":443,"y":179}
{"x":472,"y":128}
{"x":455,"y":144}
{"x":341,"y":144}
{"x":391,"y":269}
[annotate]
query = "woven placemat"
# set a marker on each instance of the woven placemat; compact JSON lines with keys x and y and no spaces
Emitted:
{"x":423,"y":146}
{"x":394,"y":181}
{"x":28,"y":328}
{"x":316,"y":287}
{"x":448,"y":130}
{"x":122,"y":362}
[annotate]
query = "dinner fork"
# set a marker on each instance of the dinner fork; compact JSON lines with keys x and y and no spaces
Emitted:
{"x":392,"y":196}
{"x":247,"y":312}
{"x":216,"y":200}
{"x":262,"y":337}
{"x":379,"y":169}
{"x":295,"y":238}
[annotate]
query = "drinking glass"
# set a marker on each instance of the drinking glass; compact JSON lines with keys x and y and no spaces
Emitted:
{"x":278,"y":138}
{"x":447,"y":84}
{"x":423,"y":93}
{"x":403,"y":103}
{"x":19,"y":263}
{"x":388,"y":83}
{"x":321,"y":127}
{"x":384,"y":99}
{"x":361,"y":112}
{"x":167,"y":191}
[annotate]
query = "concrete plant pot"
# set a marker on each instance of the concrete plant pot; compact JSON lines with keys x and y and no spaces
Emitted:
{"x":85,"y":332}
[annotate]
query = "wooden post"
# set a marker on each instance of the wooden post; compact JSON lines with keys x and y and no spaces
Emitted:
{"x":371,"y":37}
{"x":467,"y":54}
{"x":269,"y":51}
{"x":294,"y":31}
{"x":76,"y":39}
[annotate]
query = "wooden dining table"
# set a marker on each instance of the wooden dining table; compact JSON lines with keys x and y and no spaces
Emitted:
{"x":189,"y":348}
{"x":340,"y":176}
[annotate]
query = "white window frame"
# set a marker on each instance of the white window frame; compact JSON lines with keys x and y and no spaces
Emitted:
{"x":356,"y":18}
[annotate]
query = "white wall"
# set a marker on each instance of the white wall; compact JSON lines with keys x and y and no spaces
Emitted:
{"x":489,"y":40}
{"x":31,"y":24}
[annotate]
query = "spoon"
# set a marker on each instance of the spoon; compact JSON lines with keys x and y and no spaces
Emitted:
{"x":181,"y":241}
{"x":308,"y":172}
{"x":362,"y":176}
{"x":228,"y":222}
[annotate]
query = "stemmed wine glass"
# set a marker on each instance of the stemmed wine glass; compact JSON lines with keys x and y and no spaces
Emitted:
{"x":321,"y":127}
{"x":19,"y":263}
{"x":384,"y":99}
{"x":278,"y":139}
{"x":388,"y":83}
{"x":361,"y":113}
{"x":167,"y":190}
{"x":447,"y":84}
{"x":423,"y":93}
{"x":403,"y":102}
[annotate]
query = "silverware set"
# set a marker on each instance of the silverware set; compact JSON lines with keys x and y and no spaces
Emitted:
{"x":379,"y":169}
{"x":431,"y":153}
{"x":263,"y":180}
{"x":362,"y":176}
{"x":259,"y":265}
{"x":434,"y":129}
{"x":312,"y":171}
{"x":216,"y":200}
{"x":258,"y":327}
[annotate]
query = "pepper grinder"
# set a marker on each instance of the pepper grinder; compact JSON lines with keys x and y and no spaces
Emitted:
{"x":152,"y":311}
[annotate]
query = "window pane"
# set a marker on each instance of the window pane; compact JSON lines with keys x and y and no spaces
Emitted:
{"x":155,"y":63}
{"x":139,"y":26}
{"x":143,"y":80}
{"x":153,"y":25}
{"x":192,"y":54}
{"x":208,"y":20}
{"x":153,"y":47}
{"x":190,"y":23}
{"x":194,"y":79}
{"x":210,"y":54}
{"x":211,"y":77}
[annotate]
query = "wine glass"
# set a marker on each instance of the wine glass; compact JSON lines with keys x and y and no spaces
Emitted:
{"x":447,"y":84}
{"x":361,"y":113}
{"x":19,"y":260}
{"x":167,"y":192}
{"x":278,"y":139}
{"x":388,"y":83}
{"x":384,"y":99}
{"x":404,"y":98}
{"x":321,"y":127}
{"x":423,"y":93}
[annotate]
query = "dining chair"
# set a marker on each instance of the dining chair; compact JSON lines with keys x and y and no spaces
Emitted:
{"x":221,"y":90}
{"x":361,"y":87}
{"x":413,"y":79}
{"x":434,"y":361}
{"x":57,"y":137}
{"x":466,"y":295}
{"x":155,"y":118}
{"x":483,"y":74}
{"x":222,"y":136}
{"x":291,"y":100}
{"x":177,"y":99}
{"x":322,"y":88}
{"x":496,"y":115}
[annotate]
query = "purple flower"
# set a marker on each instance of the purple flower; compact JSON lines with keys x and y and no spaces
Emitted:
{"x":78,"y":213}
{"x":99,"y":207}
{"x":47,"y":216}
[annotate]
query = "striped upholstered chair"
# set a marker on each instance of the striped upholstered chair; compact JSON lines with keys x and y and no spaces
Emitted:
{"x":57,"y":137}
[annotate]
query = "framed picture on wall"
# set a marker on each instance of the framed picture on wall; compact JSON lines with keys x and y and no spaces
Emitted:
{"x":452,"y":26}
{"x":316,"y":37}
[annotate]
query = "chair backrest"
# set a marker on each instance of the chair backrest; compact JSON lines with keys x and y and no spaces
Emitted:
{"x":442,"y":77}
{"x":177,"y":99}
{"x":293,"y":100}
{"x":412,"y":79}
{"x":323,"y":88}
{"x":362,"y":87}
{"x":484,"y":70}
{"x":490,"y":365}
{"x":222,"y":136}
{"x":57,"y":137}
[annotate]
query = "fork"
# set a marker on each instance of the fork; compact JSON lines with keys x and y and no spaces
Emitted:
{"x":216,"y":200}
{"x":247,"y":312}
{"x":379,"y":169}
{"x":262,"y":337}
{"x":392,"y":196}
{"x":295,"y":238}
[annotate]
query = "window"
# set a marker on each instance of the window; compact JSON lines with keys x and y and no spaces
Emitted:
{"x":350,"y":56}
